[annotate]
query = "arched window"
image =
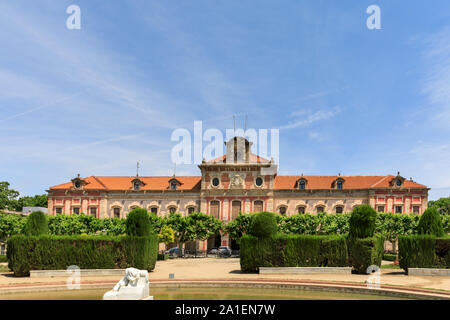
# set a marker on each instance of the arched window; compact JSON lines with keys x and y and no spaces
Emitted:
{"x":116,"y":212}
{"x":154,"y":210}
{"x":320,"y":209}
{"x":339,"y":209}
{"x":283,"y":210}
{"x":172,"y":209}
{"x":190,"y":210}
{"x":301,"y":209}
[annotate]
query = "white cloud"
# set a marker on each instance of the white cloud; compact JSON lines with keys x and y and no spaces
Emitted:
{"x":306,"y":117}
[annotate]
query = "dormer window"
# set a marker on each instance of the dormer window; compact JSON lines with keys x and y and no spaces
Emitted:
{"x":136,"y":185}
{"x":339,"y":185}
{"x":398,"y":183}
{"x":173,"y":185}
{"x":77,"y":184}
{"x":302,"y":185}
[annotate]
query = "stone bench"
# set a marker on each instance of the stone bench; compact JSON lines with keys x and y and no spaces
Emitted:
{"x":305,"y":270}
{"x":428,"y":272}
{"x":83,"y":273}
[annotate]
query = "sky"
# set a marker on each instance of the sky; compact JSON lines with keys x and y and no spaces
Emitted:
{"x":346,"y":99}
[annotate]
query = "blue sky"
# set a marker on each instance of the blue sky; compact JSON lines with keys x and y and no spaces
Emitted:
{"x":347,"y":99}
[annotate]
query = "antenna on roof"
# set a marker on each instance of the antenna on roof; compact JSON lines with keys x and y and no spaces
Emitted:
{"x":174,"y":169}
{"x":137,"y":169}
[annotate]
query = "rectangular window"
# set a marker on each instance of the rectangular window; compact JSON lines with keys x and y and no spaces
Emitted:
{"x":58,"y":210}
{"x":93,"y":211}
{"x":154,"y":210}
{"x":191,"y":210}
{"x":320,"y":209}
{"x":339,"y":209}
{"x":301,"y":210}
{"x":398,"y":209}
{"x":76,"y":210}
{"x":116,"y":212}
{"x":416,"y":209}
{"x":380,"y":208}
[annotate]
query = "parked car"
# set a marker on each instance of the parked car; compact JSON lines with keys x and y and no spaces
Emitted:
{"x":173,"y":252}
{"x":224,"y":251}
{"x":213,"y":251}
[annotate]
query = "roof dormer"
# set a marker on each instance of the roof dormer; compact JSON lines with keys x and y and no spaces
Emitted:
{"x":302,"y":183}
{"x":78,"y":183}
{"x":174,"y":183}
{"x":397,"y":182}
{"x":137,"y":183}
{"x":338,"y":183}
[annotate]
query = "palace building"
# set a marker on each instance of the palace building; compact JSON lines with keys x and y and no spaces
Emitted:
{"x":239,"y":181}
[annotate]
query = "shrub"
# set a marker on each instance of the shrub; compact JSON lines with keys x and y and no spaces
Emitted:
{"x":362,"y":222}
{"x":263,"y":225}
{"x":163,"y":256}
{"x":3,"y":258}
{"x":292,"y":251}
{"x":389,"y":257}
{"x":365,"y":252}
{"x":37,"y":224}
{"x":138,"y":223}
{"x":430,"y":223}
{"x":424,"y":251}
{"x":27,"y":253}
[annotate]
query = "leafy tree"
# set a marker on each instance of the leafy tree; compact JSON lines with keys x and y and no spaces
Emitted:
{"x":7,"y":196}
{"x":180,"y":226}
{"x":430,"y":223}
{"x":27,"y":201}
{"x":166,"y":235}
{"x":442,"y":205}
{"x":202,"y":226}
{"x":239,"y":226}
{"x":10,"y":225}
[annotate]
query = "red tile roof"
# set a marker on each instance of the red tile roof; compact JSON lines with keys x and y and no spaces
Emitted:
{"x":281,"y":183}
{"x":124,"y":183}
{"x":350,"y":182}
{"x":253,"y":159}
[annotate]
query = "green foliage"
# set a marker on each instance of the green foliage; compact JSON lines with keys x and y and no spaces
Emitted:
{"x":27,"y":253}
{"x":389,"y":257}
{"x":430,"y":223}
{"x":166,"y":235}
{"x":37,"y":224}
{"x":9,"y":198}
{"x":3,"y":258}
{"x":362,"y":222}
{"x":138,"y":223}
{"x":282,"y":250}
{"x":162,"y":256}
{"x":417,"y":251}
{"x":10,"y":224}
{"x":442,"y":205}
{"x":239,"y":226}
{"x":263,"y":225}
{"x":365,"y":252}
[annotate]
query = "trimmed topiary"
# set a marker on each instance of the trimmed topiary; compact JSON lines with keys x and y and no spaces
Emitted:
{"x":430,"y":223}
{"x":263,"y":225}
{"x":138,"y":223}
{"x":362,"y":222}
{"x":36,"y":225}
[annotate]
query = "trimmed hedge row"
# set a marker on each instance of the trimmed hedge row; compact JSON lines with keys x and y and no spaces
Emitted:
{"x":27,"y":253}
{"x":424,"y":251}
{"x":292,"y":251}
{"x":310,"y":251}
{"x":365,"y":252}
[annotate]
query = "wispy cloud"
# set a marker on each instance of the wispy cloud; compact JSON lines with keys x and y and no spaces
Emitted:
{"x":306,"y":117}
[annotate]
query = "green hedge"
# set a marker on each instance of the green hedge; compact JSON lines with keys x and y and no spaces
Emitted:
{"x":424,"y":251}
{"x":364,"y":252}
{"x":27,"y":253}
{"x":292,"y":251}
{"x":3,"y":258}
{"x":389,"y":257}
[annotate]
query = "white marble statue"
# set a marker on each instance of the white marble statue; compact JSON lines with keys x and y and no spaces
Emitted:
{"x":134,"y":286}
